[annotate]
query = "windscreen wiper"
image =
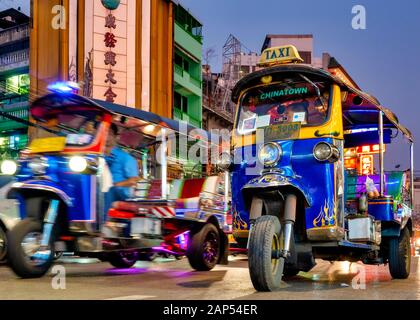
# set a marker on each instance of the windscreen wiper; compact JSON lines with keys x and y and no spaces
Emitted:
{"x":318,"y":91}
{"x":28,"y":123}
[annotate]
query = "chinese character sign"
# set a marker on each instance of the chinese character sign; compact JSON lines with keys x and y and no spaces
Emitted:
{"x":110,"y":56}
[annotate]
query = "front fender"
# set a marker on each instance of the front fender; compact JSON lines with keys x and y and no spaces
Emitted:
{"x":41,"y":186}
{"x":275,"y":180}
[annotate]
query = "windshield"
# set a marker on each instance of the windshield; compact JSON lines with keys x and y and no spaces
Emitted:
{"x":283,"y":103}
{"x":79,"y":129}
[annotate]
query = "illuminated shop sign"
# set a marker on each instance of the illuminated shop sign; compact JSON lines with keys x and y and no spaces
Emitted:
{"x":366,"y":165}
{"x":369,"y":149}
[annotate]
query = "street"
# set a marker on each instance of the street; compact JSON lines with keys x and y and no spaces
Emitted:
{"x":167,"y":279}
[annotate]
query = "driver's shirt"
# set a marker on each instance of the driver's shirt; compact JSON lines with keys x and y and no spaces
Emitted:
{"x":123,"y":166}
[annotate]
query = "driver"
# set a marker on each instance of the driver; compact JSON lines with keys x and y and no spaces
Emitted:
{"x":124,"y":170}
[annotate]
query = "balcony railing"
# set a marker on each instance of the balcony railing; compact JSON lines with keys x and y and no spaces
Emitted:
{"x":195,"y":81}
{"x":19,"y":110}
{"x":188,"y":77}
{"x":13,"y":60}
{"x":179,"y":70}
{"x":14,"y":34}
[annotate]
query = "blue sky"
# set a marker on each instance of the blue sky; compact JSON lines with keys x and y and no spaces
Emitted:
{"x":24,"y":4}
{"x":384,"y":59}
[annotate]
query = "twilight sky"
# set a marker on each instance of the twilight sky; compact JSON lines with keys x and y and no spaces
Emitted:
{"x":384,"y":59}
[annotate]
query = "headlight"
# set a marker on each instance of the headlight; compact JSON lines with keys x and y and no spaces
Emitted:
{"x":78,"y":164}
{"x":9,"y":167}
{"x":225,"y":161}
{"x":270,"y":154}
{"x":324,"y":151}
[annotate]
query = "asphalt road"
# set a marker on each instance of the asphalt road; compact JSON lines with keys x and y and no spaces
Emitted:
{"x":167,"y":279}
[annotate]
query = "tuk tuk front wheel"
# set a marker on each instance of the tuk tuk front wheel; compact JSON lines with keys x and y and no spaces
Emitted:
{"x":400,"y":255}
{"x":265,"y":270}
{"x":26,"y":257}
{"x":203,"y":250}
{"x":3,"y":244}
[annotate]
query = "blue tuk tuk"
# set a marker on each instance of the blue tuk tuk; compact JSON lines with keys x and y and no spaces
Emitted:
{"x":304,"y":180}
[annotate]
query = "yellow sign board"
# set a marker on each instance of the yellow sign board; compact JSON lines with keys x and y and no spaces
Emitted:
{"x":41,"y":145}
{"x":279,"y":55}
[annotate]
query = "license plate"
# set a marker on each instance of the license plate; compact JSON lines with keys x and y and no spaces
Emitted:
{"x":145,"y":226}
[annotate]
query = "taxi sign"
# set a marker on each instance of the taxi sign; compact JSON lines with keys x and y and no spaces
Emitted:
{"x":55,"y":144}
{"x":279,"y":55}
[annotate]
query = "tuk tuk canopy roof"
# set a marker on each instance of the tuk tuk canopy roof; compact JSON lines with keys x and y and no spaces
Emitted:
{"x":360,"y":110}
{"x":54,"y":103}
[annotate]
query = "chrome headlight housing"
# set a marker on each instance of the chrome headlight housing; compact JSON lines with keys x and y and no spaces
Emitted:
{"x":270,"y":154}
{"x":8,"y":167}
{"x":38,"y":165}
{"x":324,"y":151}
{"x":225,"y":161}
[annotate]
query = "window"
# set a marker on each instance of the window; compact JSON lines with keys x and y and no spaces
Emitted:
{"x":184,"y":104}
{"x":306,"y":56}
{"x":186,"y":66}
{"x":181,"y":102}
{"x":178,"y":60}
{"x":182,"y":62}
{"x":283,"y":103}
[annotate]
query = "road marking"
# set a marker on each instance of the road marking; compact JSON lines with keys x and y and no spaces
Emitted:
{"x":137,"y":297}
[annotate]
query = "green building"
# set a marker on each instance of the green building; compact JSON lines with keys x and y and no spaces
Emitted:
{"x":14,"y":81}
{"x":187,"y":64}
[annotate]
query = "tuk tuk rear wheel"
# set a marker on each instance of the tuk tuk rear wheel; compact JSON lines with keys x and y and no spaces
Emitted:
{"x":123,"y":260}
{"x":400,"y":255}
{"x":24,"y":242}
{"x":265,"y":270}
{"x":203,"y":250}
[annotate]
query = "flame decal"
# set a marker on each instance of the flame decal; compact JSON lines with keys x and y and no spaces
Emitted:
{"x":326,"y":216}
{"x":238,"y":223}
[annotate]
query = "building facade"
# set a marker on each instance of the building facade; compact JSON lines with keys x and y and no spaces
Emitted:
{"x":303,"y":42}
{"x":14,"y":80}
{"x":117,"y":50}
{"x":187,"y":67}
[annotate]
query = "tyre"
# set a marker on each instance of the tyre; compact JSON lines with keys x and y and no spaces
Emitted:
{"x":265,"y":271}
{"x":25,"y":257}
{"x":123,"y":260}
{"x":203,"y":250}
{"x":3,"y":244}
{"x":400,"y":255}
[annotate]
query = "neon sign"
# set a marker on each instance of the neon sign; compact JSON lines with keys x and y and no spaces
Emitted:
{"x":369,"y":149}
{"x":366,"y":164}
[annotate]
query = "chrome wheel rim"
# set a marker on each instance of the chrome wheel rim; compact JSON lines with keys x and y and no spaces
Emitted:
{"x":211,"y":248}
{"x":275,"y":247}
{"x":31,"y":245}
{"x":2,"y":243}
